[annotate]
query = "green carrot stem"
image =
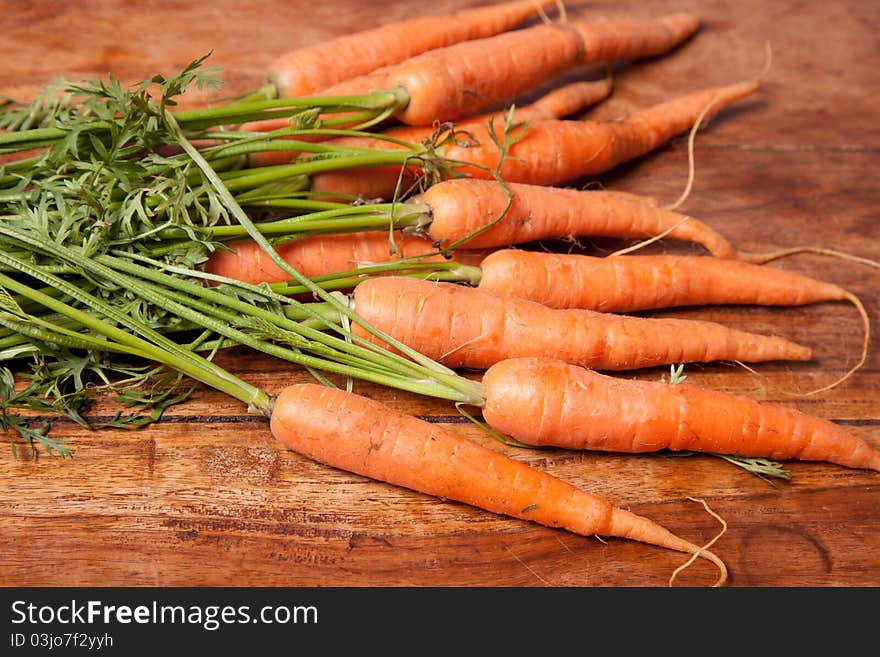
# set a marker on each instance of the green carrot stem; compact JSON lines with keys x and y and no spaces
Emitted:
{"x":212,"y":317}
{"x":297,"y":188}
{"x":325,"y":316}
{"x":293,"y":139}
{"x":412,"y":266}
{"x":10,"y":337}
{"x":367,"y":109}
{"x":453,"y":272}
{"x":305,"y":149}
{"x":36,"y":328}
{"x":334,"y":217}
{"x":379,"y":101}
{"x":158,"y":348}
{"x":250,"y":178}
{"x":255,"y":234}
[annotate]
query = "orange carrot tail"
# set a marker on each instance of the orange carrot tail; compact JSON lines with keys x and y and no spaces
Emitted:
{"x":551,"y":152}
{"x":464,"y":205}
{"x":624,"y":284}
{"x":571,"y":98}
{"x":647,"y":129}
{"x":625,"y":524}
{"x":636,"y":342}
{"x":621,"y":39}
{"x":646,"y":219}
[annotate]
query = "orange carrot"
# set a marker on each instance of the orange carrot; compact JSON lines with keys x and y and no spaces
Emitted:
{"x":556,"y":103}
{"x":316,"y":255}
{"x":444,"y":85}
{"x":630,"y":283}
{"x":313,"y":68}
{"x":465,"y":327}
{"x":363,"y":436}
{"x":344,"y":86}
{"x":552,"y":403}
{"x":460,"y":207}
{"x":555,"y":152}
{"x":454,"y":209}
{"x":322,"y":255}
{"x":459,"y":80}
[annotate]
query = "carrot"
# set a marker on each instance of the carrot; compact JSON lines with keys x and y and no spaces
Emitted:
{"x":535,"y":212}
{"x":315,"y":67}
{"x":315,"y":255}
{"x":555,"y":152}
{"x":563,"y":45}
{"x":552,"y":403}
{"x":465,"y":327}
{"x":323,"y":255}
{"x":618,"y":284}
{"x":631,"y":283}
{"x":444,"y":84}
{"x":556,"y":103}
{"x":453,"y":82}
{"x":560,"y":151}
{"x":321,"y":69}
{"x":363,"y":436}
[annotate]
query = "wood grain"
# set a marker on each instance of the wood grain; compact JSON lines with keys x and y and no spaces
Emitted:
{"x":206,"y":497}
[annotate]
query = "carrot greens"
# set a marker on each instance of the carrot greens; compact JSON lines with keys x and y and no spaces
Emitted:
{"x":86,"y":298}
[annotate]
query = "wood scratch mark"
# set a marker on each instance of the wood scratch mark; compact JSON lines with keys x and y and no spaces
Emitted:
{"x":559,"y":540}
{"x":528,"y":567}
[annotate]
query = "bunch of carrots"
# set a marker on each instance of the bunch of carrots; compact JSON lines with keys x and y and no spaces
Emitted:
{"x":372,"y":219}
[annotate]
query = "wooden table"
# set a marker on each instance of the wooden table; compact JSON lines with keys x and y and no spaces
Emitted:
{"x":207,"y":498}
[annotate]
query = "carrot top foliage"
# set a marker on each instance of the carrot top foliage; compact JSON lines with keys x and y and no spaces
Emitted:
{"x":101,"y":232}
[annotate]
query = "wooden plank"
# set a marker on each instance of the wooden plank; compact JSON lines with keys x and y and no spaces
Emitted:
{"x":207,"y":497}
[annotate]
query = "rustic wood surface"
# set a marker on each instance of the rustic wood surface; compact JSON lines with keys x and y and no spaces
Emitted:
{"x":206,"y":497}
